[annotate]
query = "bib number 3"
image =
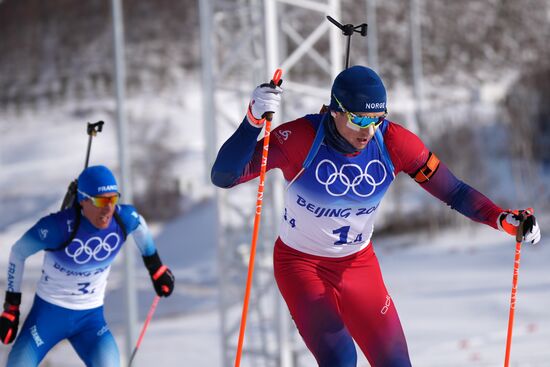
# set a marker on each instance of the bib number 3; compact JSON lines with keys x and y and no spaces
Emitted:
{"x":84,"y":287}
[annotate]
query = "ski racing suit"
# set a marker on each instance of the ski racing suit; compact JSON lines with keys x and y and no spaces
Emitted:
{"x":69,"y":298}
{"x":324,"y":262}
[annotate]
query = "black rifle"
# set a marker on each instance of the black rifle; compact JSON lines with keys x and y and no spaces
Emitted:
{"x":70,"y":197}
{"x":348,"y":30}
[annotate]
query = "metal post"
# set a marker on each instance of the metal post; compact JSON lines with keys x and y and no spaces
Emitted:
{"x":276,"y":186}
{"x":208,"y":102}
{"x":210,"y":126}
{"x":126,"y":187}
{"x":272,"y":48}
{"x":416,"y":50}
{"x":372,"y":39}
{"x":335,"y":41}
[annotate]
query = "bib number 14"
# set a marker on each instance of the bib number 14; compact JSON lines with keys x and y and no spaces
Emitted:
{"x":290,"y":221}
{"x":343,"y":233}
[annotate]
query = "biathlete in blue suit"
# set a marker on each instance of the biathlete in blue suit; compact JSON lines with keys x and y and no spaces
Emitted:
{"x":81,"y":244}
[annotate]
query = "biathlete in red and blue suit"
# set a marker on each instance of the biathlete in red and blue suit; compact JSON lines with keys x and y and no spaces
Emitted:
{"x":338,"y":165}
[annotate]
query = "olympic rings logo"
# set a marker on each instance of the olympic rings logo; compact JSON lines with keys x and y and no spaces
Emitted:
{"x":338,"y":182}
{"x":94,"y":248}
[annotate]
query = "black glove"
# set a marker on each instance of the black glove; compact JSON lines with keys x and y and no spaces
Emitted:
{"x":162,"y":277}
{"x":9,"y":320}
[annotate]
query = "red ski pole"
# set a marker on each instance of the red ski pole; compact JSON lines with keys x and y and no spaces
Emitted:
{"x":144,"y":328}
{"x":519,"y":238}
{"x":268,"y":117}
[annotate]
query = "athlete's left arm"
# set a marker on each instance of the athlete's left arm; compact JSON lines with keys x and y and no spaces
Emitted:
{"x":161,"y":275}
{"x":411,"y":156}
{"x":136,"y":226}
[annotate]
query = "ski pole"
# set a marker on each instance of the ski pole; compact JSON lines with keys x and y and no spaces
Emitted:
{"x":275,"y":81}
{"x":144,"y":328}
{"x":519,"y":238}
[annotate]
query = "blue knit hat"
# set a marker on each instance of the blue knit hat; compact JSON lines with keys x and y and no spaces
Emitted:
{"x":359,"y":89}
{"x":96,"y":180}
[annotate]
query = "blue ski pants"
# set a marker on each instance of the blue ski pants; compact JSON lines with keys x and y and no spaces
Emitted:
{"x":48,"y":324}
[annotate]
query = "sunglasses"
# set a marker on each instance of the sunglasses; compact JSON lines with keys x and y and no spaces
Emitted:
{"x":362,"y":121}
{"x":101,"y":201}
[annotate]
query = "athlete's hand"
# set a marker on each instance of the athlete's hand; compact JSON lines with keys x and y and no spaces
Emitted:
{"x":509,"y":220}
{"x":265,"y":98}
{"x":161,"y":276}
{"x":9,"y":320}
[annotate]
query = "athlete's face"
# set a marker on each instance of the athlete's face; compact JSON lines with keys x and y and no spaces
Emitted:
{"x":100,"y":217}
{"x":355,"y":135}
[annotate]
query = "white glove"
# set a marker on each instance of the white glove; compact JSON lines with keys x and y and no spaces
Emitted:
{"x":265,"y":98}
{"x":508,"y":222}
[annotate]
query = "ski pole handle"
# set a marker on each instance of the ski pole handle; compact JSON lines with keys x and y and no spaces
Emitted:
{"x":519,"y":233}
{"x":275,"y":82}
{"x":277,"y":77}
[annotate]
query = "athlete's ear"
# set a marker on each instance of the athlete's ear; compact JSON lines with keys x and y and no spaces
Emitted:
{"x":333,"y":114}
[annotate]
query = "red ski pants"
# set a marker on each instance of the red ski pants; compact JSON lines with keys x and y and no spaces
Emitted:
{"x":334,"y":301}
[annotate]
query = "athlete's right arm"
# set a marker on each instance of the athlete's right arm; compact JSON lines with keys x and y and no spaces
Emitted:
{"x":42,"y":235}
{"x":45,"y":234}
{"x":239,"y":159}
